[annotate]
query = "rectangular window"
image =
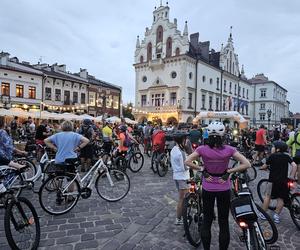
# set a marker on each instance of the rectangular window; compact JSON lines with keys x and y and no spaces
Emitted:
{"x":239,"y":91}
{"x":262,"y":116}
{"x":247,"y":93}
{"x":217,"y":103}
{"x":48,"y":93}
{"x":243,"y":92}
{"x":218,"y":83}
{"x":82,"y":98}
{"x":92,"y":98}
{"x":173,"y":98}
{"x":57,"y":95}
{"x":144,"y":100}
{"x":263,"y":93}
{"x":19,"y":91}
{"x":190,"y":100}
{"x":246,"y":109}
{"x":262,"y":106}
{"x":115,"y":102}
{"x":203,"y":101}
{"x":67,"y":97}
{"x":230,"y":87}
{"x":32,"y":92}
{"x":235,"y":89}
{"x":75,"y":97}
{"x":210,"y":99}
{"x":225,"y":86}
{"x":109,"y":101}
{"x":5,"y":89}
{"x":157,"y":100}
{"x":224,"y":104}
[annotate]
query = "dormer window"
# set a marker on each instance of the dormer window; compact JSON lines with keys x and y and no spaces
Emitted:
{"x":153,"y":18}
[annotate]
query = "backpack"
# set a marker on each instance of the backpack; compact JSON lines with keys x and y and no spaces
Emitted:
{"x":13,"y":125}
{"x":127,"y":141}
{"x":87,"y":131}
{"x":297,"y":154}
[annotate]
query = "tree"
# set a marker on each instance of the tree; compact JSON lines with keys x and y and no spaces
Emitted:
{"x":127,"y":111}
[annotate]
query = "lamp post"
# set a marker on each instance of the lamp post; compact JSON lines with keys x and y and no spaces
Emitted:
{"x":269,"y":113}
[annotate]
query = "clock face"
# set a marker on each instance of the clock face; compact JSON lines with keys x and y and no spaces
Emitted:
{"x":144,"y":79}
{"x":173,"y":74}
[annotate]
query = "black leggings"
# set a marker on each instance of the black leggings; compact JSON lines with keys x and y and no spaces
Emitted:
{"x":223,"y":204}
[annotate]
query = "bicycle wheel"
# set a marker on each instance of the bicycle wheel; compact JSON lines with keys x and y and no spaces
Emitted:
{"x":112,"y":185}
{"x":295,"y":209}
{"x":267,"y":227}
{"x":253,"y":240}
{"x":162,"y":165}
{"x":262,"y":188}
{"x":136,"y":162}
{"x":121,"y":163}
{"x":251,"y":174}
{"x":21,"y":224}
{"x":153,"y":162}
{"x":62,"y":196}
{"x":30,"y":167}
{"x":192,"y":219}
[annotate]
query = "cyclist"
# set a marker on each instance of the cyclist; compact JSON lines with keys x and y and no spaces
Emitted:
{"x":158,"y":139}
{"x":180,"y":172}
{"x":86,"y":154}
{"x":216,"y":182}
{"x":66,"y":143}
{"x":278,"y":178}
{"x":260,"y":143}
{"x":195,"y":135}
{"x":148,"y":129}
{"x":107,"y":134}
{"x":125,"y":139}
{"x":7,"y":148}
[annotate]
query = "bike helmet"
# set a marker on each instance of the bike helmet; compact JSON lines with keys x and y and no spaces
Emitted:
{"x":123,"y":128}
{"x":282,"y":146}
{"x":87,"y":122}
{"x":216,"y":128}
{"x":180,"y":134}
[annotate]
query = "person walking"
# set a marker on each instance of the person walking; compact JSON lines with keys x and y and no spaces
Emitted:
{"x":216,"y":182}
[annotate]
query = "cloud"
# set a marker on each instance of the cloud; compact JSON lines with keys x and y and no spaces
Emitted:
{"x":101,"y":35}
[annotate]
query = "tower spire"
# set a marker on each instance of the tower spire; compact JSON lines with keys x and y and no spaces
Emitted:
{"x":185,"y":31}
{"x":137,"y":42}
{"x":230,"y":35}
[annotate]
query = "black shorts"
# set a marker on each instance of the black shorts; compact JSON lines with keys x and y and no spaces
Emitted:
{"x":87,"y":152}
{"x":296,"y":160}
{"x":280,"y":190}
{"x":107,"y":147}
{"x":260,"y":148}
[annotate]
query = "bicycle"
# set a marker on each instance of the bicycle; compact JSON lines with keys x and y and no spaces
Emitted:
{"x":61,"y":191}
{"x":163,"y":162}
{"x":192,"y":212}
{"x":257,"y":233}
{"x":292,"y":203}
{"x":132,"y":159}
{"x":20,"y":221}
{"x":148,"y":147}
{"x":251,"y":173}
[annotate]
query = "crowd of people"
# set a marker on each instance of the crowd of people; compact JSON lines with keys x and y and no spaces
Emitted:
{"x":187,"y":145}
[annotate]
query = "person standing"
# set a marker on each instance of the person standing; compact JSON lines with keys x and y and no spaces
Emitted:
{"x":107,"y":134}
{"x":294,"y":143}
{"x":216,"y":182}
{"x":195,"y":135}
{"x":14,"y":129}
{"x":260,"y":143}
{"x":40,"y":135}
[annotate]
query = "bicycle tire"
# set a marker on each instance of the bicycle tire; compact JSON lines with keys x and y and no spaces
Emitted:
{"x":54,"y":195}
{"x":252,"y":244}
{"x":31,"y":168}
{"x":162,"y":165}
{"x":251,"y":174}
{"x":133,"y":160}
{"x":266,"y":231}
{"x":9,"y":218}
{"x":295,"y":209}
{"x":153,"y":162}
{"x":117,"y":177}
{"x":261,"y":187}
{"x":190,"y":201}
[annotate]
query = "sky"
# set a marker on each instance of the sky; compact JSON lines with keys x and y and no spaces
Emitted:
{"x":100,"y":35}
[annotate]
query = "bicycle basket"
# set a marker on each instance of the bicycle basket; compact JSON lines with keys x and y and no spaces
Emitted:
{"x":242,"y":208}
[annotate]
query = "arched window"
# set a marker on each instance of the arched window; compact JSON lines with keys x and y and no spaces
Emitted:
{"x":149,"y":52}
{"x":159,"y":34}
{"x":169,"y":47}
{"x":141,"y":59}
{"x":177,"y":52}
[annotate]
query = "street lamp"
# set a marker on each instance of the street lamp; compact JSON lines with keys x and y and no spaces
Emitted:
{"x":269,"y":113}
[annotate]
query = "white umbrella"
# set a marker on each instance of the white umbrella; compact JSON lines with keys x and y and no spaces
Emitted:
{"x":98,"y":118}
{"x":85,"y":116}
{"x":129,"y":121}
{"x":113,"y":119}
{"x":68,"y":116}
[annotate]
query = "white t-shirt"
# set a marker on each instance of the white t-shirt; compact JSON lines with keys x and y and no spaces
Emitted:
{"x":32,"y":127}
{"x":177,"y":161}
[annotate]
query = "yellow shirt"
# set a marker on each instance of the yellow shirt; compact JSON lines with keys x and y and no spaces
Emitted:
{"x":107,"y":132}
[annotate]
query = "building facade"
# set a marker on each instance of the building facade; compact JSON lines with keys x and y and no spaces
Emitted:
{"x":178,"y":76}
{"x":53,"y":88}
{"x":21,"y":86}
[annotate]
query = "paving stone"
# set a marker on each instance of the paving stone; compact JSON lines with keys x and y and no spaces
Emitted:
{"x":87,"y":245}
{"x":111,"y":245}
{"x":86,"y":237}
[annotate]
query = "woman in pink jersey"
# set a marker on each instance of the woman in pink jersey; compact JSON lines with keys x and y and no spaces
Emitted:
{"x":216,"y":182}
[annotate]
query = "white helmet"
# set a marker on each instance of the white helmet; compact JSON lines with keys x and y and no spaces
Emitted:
{"x":216,"y":128}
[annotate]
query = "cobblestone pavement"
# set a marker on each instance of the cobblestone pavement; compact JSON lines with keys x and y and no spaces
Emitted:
{"x":143,"y":220}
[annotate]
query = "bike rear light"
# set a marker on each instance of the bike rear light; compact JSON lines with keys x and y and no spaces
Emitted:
{"x":291,"y":184}
{"x":243,"y":224}
{"x":192,"y":188}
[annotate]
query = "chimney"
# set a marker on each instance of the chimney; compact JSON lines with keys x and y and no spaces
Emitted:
{"x":62,"y":68}
{"x":83,"y":73}
{"x":4,"y":56}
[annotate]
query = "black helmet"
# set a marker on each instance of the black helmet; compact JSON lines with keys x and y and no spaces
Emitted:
{"x":123,"y":128}
{"x":180,"y":134}
{"x":282,"y":146}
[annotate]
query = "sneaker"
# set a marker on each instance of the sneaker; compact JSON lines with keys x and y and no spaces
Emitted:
{"x":178,"y":221}
{"x":276,"y":218}
{"x":261,"y":216}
